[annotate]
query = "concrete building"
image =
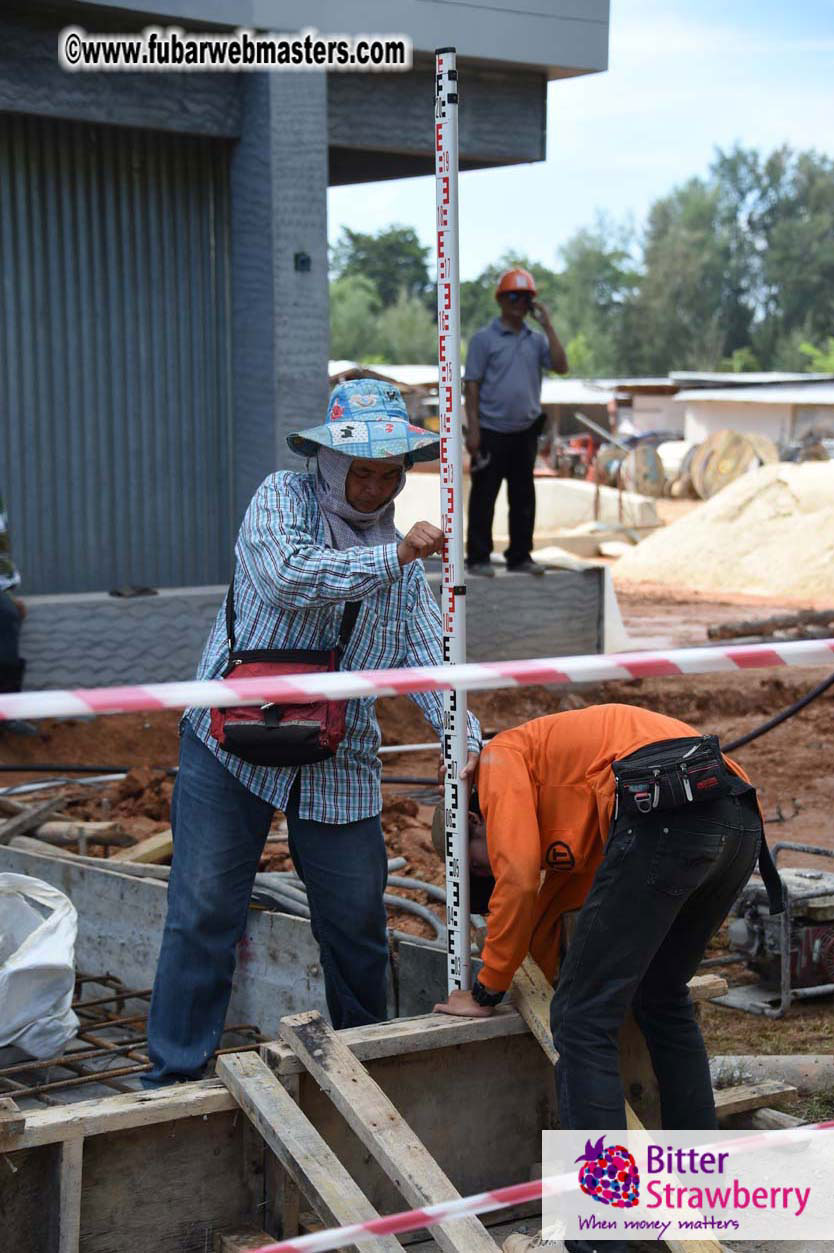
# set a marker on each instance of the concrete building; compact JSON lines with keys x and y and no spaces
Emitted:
{"x":163,"y":244}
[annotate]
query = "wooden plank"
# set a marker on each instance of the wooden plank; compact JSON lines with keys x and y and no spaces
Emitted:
{"x":166,"y":1188}
{"x":152,"y":850}
{"x":124,"y":1112}
{"x":28,"y":821}
{"x":12,"y":1122}
{"x":773,"y":1120}
{"x":241,"y":1240}
{"x":297,"y":1144}
{"x":748,"y":1096}
{"x":532,"y":994}
{"x":382,"y":1130}
{"x":290,"y":1194}
{"x":69,"y":1192}
{"x":705,"y":987}
{"x":405,"y":1035}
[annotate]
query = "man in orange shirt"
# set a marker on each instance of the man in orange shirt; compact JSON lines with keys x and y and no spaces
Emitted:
{"x":638,"y":821}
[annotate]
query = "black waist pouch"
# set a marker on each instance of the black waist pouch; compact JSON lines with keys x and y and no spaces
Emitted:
{"x":674,"y":773}
{"x":671,"y":774}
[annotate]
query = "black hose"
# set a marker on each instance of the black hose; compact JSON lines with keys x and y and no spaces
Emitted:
{"x":779,"y":718}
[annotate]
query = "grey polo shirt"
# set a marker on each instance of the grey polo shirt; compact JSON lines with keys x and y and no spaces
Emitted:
{"x":509,"y":370}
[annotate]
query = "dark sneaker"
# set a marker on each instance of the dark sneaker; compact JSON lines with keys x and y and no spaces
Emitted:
{"x":482,"y":568}
{"x":527,"y":567}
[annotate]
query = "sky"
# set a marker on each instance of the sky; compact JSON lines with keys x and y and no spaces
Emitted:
{"x":685,"y":77}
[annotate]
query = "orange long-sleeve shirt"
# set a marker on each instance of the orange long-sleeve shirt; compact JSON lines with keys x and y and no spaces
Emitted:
{"x":546,"y":791}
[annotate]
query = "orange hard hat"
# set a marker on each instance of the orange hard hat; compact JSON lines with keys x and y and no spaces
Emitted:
{"x":516,"y":279}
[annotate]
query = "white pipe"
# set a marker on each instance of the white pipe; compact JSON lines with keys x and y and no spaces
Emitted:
{"x":454,"y":740}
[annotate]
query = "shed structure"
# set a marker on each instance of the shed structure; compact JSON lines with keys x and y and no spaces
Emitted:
{"x":785,"y":412}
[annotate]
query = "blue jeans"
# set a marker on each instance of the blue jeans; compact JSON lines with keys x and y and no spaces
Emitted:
{"x":665,"y":884}
{"x":220,"y":828}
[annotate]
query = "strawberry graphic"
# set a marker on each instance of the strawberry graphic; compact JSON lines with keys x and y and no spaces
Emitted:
{"x":609,"y":1175}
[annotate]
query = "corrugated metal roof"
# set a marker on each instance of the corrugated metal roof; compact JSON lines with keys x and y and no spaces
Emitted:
{"x":729,"y":379}
{"x":783,"y":394}
{"x":574,"y":392}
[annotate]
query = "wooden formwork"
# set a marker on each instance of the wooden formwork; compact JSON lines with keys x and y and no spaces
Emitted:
{"x":366,"y":1120}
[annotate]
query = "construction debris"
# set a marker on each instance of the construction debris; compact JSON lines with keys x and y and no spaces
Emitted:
{"x":780,"y":626}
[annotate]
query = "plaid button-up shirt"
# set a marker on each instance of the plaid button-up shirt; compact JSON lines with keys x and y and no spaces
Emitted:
{"x":290,"y":592}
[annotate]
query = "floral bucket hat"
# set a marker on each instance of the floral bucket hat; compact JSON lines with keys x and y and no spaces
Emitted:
{"x":367,"y":418}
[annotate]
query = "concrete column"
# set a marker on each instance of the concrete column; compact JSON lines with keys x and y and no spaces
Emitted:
{"x":301,"y":332}
{"x":280,"y":314}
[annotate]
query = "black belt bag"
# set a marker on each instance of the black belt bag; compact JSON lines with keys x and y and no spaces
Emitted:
{"x":671,"y":774}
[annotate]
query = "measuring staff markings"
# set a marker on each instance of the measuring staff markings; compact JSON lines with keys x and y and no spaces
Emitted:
{"x":454,"y":743}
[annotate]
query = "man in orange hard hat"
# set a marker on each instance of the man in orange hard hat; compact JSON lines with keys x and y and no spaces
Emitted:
{"x":503,"y":382}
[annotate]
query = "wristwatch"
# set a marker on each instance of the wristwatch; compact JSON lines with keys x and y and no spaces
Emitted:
{"x":482,"y":997}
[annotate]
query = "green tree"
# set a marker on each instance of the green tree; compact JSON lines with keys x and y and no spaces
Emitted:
{"x":393,"y":260}
{"x":354,"y":319}
{"x":820,"y":360}
{"x":407,"y":332}
{"x":682,"y":291}
{"x":597,"y":284}
{"x":795,"y":243}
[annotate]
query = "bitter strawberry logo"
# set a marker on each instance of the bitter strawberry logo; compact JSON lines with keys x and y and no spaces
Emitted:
{"x":609,"y":1175}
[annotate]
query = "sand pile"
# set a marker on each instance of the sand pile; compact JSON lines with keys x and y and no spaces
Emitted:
{"x":771,"y":532}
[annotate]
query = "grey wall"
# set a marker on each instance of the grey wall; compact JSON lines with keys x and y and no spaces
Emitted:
{"x":115,"y":338}
{"x":88,"y":641}
{"x":381,"y":125}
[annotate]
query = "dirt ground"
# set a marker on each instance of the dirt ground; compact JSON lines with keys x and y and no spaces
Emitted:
{"x":791,"y":766}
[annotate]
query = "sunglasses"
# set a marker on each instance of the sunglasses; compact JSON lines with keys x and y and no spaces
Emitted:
{"x":516,"y":297}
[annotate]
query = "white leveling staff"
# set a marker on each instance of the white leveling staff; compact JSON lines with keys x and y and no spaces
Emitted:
{"x":459,"y":965}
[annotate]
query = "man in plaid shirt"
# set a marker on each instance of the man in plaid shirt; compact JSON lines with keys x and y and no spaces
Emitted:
{"x":309,"y":543}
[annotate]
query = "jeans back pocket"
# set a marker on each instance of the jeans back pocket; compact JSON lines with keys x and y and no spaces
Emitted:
{"x":685,"y":854}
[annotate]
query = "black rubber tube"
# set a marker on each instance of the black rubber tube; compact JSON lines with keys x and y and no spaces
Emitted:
{"x":779,"y":718}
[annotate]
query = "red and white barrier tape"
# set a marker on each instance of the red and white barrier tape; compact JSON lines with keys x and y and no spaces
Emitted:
{"x":413,"y":1220}
{"x":474,"y":676}
{"x":499,"y":1198}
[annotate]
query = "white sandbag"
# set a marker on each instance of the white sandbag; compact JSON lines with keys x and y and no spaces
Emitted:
{"x":37,"y":966}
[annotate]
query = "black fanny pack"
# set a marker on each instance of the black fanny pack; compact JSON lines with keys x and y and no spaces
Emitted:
{"x":672,"y":774}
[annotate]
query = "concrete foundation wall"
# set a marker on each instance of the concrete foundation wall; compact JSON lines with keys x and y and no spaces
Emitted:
{"x":97,"y":640}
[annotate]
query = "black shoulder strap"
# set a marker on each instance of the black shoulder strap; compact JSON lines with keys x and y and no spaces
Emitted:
{"x":230,"y":616}
{"x":349,"y":616}
{"x":348,"y":622}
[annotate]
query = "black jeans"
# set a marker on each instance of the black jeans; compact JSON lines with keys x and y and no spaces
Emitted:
{"x":11,"y":669}
{"x":511,"y":457}
{"x":665,"y":885}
